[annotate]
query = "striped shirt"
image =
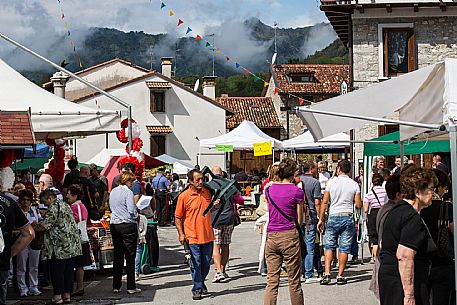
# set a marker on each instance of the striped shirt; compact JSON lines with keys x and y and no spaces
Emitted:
{"x":371,"y":198}
{"x":122,"y":205}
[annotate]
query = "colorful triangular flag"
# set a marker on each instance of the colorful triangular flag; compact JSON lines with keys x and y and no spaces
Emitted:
{"x":246,"y":72}
{"x":68,"y":33}
{"x":228,"y":58}
{"x":218,"y":51}
{"x":188,"y":30}
{"x":301,"y":101}
{"x":65,"y":24}
{"x":256,"y":78}
{"x":163,"y":5}
{"x":237,"y":65}
{"x":80,"y":64}
{"x":208,"y":44}
{"x":265,"y":84}
{"x":198,"y":38}
{"x":180,"y":22}
{"x":171,"y":13}
{"x":63,"y":16}
{"x":276,"y":91}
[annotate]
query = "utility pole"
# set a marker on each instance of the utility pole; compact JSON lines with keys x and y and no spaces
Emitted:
{"x":276,"y":27}
{"x":213,"y":50}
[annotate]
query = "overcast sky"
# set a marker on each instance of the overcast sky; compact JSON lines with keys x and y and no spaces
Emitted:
{"x":38,"y":23}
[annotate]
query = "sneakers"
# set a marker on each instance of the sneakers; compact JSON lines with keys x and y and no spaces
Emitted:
{"x":137,"y":276}
{"x":373,"y":260}
{"x":263,"y":274}
{"x":226,"y":276}
{"x":34,"y":293}
{"x":132,"y":291}
{"x":197,"y":295}
{"x":326,"y":280}
{"x":116,"y":290}
{"x":283,"y":272}
{"x":218,"y":277}
{"x":24,"y":294}
{"x":312,"y":280}
{"x":156,"y":269}
{"x":341,"y":280}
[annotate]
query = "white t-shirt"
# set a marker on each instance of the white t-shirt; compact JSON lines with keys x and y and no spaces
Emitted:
{"x":342,"y":190}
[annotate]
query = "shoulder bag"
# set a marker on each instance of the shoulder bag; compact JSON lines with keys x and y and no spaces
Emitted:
{"x":82,"y":226}
{"x":294,"y":221}
{"x":445,"y":240}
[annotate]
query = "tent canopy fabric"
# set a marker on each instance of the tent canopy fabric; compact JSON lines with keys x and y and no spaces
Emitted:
{"x":427,"y":95}
{"x":34,"y":164}
{"x":167,"y":159}
{"x":181,"y":168}
{"x":242,"y":137}
{"x":410,"y":147}
{"x":52,"y":116}
{"x":41,"y":151}
{"x":105,"y":155}
{"x":306,"y":141}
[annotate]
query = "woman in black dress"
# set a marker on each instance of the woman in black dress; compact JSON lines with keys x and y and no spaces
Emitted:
{"x":406,"y":244}
{"x":442,"y":279}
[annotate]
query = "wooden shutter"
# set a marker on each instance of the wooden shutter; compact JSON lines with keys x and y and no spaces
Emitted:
{"x":152,"y":102}
{"x":411,"y":51}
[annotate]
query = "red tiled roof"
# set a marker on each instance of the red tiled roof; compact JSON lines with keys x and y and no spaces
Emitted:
{"x":259,"y":110}
{"x":327,"y":78}
{"x":159,"y":129}
{"x":158,"y":85}
{"x":16,"y":128}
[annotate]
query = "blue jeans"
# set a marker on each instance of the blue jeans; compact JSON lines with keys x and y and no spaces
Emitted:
{"x":354,"y":245}
{"x":200,"y":264}
{"x":310,"y":240}
{"x":340,"y":231}
{"x":139,"y":253}
{"x":3,"y":286}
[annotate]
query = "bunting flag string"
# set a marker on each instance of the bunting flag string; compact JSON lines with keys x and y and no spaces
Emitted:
{"x":245,"y":71}
{"x":70,"y":40}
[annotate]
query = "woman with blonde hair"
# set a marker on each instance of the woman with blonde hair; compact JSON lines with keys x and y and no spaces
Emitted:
{"x":124,"y":230}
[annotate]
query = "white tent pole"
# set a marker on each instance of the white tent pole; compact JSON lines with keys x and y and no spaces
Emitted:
{"x":452,"y":140}
{"x":402,"y":154}
{"x":110,"y":96}
{"x":97,"y":112}
{"x":374,"y":119}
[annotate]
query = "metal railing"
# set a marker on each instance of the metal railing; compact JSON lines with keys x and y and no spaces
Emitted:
{"x":338,"y":2}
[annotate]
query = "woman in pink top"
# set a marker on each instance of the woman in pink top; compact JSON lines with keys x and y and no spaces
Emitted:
{"x":285,"y":207}
{"x":372,"y":202}
{"x":74,"y":195}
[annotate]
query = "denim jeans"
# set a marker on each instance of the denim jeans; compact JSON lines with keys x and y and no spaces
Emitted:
{"x":139,"y":253}
{"x":200,"y":263}
{"x":354,"y":245}
{"x":3,"y":286}
{"x":310,"y":240}
{"x":339,"y":232}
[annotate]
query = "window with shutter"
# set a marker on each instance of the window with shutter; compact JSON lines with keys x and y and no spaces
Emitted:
{"x":399,"y":51}
{"x":157,"y":145}
{"x":157,"y":101}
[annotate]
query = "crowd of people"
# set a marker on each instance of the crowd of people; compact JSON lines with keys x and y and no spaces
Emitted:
{"x":306,"y":213}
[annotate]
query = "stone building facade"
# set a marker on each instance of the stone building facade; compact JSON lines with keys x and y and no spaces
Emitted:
{"x":311,"y":82}
{"x":432,"y":25}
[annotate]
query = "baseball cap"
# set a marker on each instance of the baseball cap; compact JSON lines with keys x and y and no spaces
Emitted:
{"x":42,"y":206}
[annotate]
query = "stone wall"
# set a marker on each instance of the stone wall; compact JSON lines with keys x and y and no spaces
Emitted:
{"x":435,"y":38}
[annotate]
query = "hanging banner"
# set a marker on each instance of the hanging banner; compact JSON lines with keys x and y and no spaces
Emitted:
{"x":262,"y":149}
{"x":224,"y":147}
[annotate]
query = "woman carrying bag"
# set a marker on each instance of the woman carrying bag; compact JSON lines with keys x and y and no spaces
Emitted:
{"x":74,"y":195}
{"x":285,"y":206}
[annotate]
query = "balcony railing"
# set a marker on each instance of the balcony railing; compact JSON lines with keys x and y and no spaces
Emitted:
{"x":338,"y":2}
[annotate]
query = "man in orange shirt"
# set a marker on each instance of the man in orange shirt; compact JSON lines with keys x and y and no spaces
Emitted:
{"x":196,"y":230}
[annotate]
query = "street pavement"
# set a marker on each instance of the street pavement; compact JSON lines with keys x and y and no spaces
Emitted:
{"x":173,"y":283}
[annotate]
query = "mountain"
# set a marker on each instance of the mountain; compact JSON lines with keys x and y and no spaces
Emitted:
{"x":255,"y":47}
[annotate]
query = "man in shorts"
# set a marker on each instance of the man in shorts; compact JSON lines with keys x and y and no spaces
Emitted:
{"x":223,"y":220}
{"x":343,"y":193}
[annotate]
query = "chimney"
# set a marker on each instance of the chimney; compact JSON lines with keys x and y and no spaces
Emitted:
{"x":59,"y":81}
{"x":166,"y":66}
{"x":209,"y":86}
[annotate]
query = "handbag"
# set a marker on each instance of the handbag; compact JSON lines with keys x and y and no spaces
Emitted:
{"x":82,"y":226}
{"x":262,"y":209}
{"x":297,"y":226}
{"x":38,"y":241}
{"x":445,"y":240}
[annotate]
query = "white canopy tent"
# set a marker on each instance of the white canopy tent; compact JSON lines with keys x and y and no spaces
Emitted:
{"x":52,"y":116}
{"x":306,"y":141}
{"x":179,"y":167}
{"x":102,"y":158}
{"x":426,"y":100}
{"x":242,"y":137}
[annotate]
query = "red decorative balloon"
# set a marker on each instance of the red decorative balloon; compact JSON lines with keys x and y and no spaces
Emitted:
{"x":6,"y":157}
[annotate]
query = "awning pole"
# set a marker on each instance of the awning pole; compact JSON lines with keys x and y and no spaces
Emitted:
{"x":402,"y":154}
{"x":453,"y":140}
{"x":110,"y":96}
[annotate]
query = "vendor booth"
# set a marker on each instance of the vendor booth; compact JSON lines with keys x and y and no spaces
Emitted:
{"x":426,"y":101}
